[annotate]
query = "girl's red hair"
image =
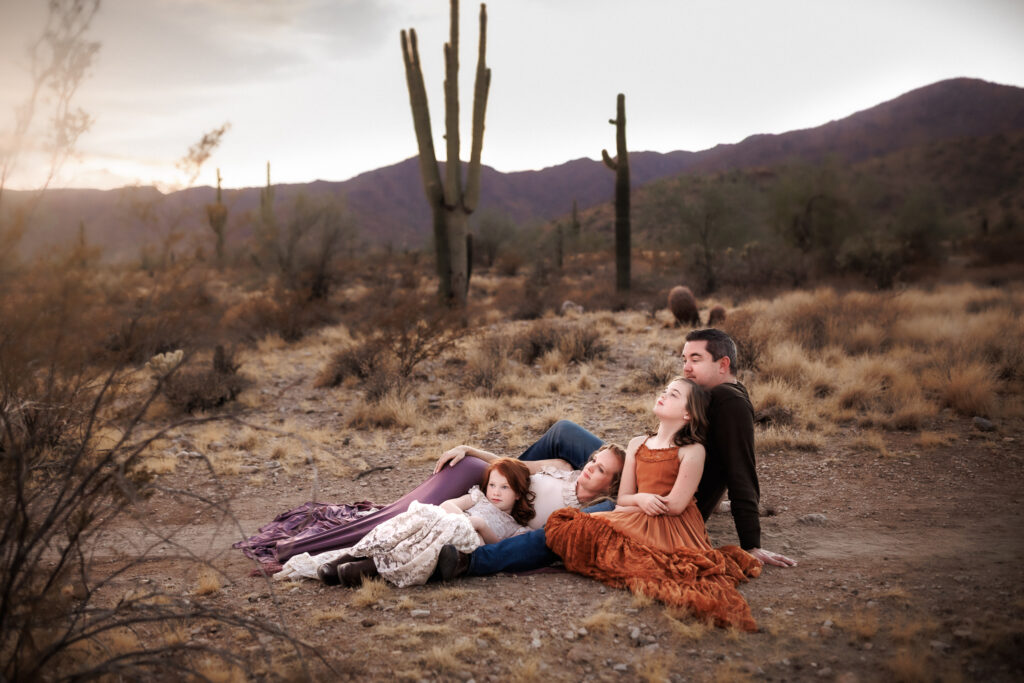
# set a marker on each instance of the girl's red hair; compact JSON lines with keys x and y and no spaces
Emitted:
{"x":518,"y":476}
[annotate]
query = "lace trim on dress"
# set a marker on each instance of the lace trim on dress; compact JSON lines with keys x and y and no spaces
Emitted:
{"x":568,"y":479}
{"x":648,"y":454}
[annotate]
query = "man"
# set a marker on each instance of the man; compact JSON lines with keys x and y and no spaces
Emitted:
{"x":709,"y":358}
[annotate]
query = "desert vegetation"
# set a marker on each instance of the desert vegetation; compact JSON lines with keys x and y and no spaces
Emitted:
{"x":152,"y":418}
{"x":159,"y":403}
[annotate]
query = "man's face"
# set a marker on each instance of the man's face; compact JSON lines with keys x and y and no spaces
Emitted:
{"x":699,"y":366}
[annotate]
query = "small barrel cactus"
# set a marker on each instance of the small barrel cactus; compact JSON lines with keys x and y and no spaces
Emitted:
{"x":683,"y":305}
{"x":716,"y":316}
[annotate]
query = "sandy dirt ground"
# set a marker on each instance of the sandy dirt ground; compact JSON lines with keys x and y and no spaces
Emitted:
{"x":910,"y":563}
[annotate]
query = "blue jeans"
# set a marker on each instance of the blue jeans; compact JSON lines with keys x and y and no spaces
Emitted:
{"x":520,"y":553}
{"x":564,"y":440}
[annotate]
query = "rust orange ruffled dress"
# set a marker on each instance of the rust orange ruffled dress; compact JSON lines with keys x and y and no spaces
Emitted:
{"x":667,"y":557}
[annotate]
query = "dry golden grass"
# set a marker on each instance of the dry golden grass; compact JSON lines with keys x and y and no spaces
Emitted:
{"x":526,"y":671}
{"x":872,"y":442}
{"x":641,"y":599}
{"x":411,"y":628}
{"x":217,"y":670}
{"x":731,"y":672}
{"x":685,"y":627}
{"x":370,"y":593}
{"x":861,"y":624}
{"x":480,"y":411}
{"x":321,"y":617}
{"x":928,"y":439}
{"x":657,"y":669}
{"x":392,"y":411}
{"x":407,"y":602}
{"x":969,"y":389}
{"x":208,"y":582}
{"x":448,"y":656}
{"x":603,"y":619}
{"x":912,"y":628}
{"x":784,"y":438}
{"x":910,"y":665}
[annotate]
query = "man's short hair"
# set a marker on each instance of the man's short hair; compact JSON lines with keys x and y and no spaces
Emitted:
{"x":719,"y":344}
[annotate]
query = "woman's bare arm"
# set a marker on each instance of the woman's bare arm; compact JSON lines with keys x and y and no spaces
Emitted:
{"x":454,"y":455}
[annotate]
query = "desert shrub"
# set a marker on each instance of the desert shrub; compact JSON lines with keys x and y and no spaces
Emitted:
{"x":574,"y":341}
{"x":716,"y":316}
{"x":391,"y":342}
{"x":191,"y":389}
{"x":656,"y":373}
{"x":287,"y":313}
{"x":359,"y":360}
{"x":970,"y":389}
{"x":175,"y":311}
{"x":683,"y":306}
{"x":487,"y":364}
{"x":750,"y":347}
{"x":71,"y":607}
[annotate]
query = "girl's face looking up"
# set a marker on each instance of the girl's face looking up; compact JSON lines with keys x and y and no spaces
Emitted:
{"x":673,"y":402}
{"x":500,"y":493}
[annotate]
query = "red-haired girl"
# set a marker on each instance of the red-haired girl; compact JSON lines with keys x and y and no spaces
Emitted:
{"x":404,"y":549}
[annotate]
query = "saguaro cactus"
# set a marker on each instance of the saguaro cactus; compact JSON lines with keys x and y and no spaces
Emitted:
{"x":620,"y":164}
{"x":217,"y":214}
{"x":451,"y":205}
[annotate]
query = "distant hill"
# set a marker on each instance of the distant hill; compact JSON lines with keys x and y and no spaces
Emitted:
{"x":388,"y":205}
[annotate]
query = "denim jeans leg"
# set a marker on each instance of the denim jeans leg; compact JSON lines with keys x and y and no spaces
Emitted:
{"x":564,"y":440}
{"x":520,"y":553}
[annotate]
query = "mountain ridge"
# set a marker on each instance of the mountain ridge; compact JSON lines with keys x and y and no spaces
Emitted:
{"x":388,"y":206}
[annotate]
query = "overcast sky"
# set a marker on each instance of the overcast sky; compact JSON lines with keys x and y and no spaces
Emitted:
{"x":317,"y":86}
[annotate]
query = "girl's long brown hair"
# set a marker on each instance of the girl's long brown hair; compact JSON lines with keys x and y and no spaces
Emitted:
{"x":518,"y":476}
{"x":696,"y":430}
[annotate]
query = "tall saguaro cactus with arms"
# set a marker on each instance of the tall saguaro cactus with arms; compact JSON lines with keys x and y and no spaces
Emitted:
{"x":620,"y":164}
{"x":450,"y":203}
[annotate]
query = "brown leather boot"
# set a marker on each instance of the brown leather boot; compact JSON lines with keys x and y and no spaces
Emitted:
{"x":328,"y":571}
{"x":351,"y":574}
{"x":451,"y":564}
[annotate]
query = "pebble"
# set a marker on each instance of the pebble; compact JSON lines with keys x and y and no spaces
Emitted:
{"x":419,"y":613}
{"x":814,"y":518}
{"x":983,"y":425}
{"x":766,"y":610}
{"x":570,"y":635}
{"x":620,"y":667}
{"x":939,"y":645}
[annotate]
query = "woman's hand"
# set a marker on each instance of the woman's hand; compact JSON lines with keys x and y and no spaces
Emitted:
{"x":451,"y":457}
{"x":652,"y":504}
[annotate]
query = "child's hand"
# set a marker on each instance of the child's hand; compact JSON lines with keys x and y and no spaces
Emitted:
{"x":652,"y":504}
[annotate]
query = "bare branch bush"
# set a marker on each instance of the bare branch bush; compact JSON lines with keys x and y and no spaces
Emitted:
{"x":391,"y":343}
{"x":73,"y":477}
{"x":58,"y":62}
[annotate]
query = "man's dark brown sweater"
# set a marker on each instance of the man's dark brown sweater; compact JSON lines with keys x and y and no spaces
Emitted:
{"x":729,"y":463}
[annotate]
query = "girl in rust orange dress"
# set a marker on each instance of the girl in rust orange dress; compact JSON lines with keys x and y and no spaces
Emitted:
{"x":655,"y":541}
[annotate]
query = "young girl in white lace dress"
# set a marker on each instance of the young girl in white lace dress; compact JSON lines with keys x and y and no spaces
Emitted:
{"x":404,"y":549}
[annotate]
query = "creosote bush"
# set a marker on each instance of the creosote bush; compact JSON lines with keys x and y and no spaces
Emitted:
{"x":191,"y":389}
{"x":574,"y":341}
{"x":391,"y":343}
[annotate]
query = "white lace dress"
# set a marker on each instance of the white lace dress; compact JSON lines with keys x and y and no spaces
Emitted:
{"x":423,"y":528}
{"x":405,"y":548}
